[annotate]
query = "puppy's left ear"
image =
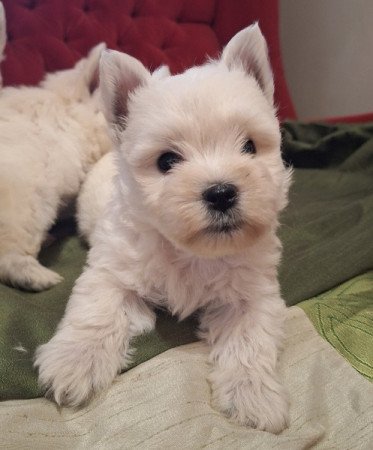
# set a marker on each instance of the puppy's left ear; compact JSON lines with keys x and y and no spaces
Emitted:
{"x":120,"y":75}
{"x":248,"y":49}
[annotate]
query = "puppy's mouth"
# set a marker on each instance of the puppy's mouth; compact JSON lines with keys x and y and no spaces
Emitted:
{"x":226,"y":228}
{"x":226,"y":223}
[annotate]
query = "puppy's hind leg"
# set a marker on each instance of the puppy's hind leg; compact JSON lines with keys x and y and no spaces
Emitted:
{"x":91,"y":344}
{"x":23,"y":225}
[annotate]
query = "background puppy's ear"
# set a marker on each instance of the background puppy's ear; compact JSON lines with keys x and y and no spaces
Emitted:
{"x":161,"y":72}
{"x":90,"y":66}
{"x":120,"y":74}
{"x":248,"y":49}
{"x":78,"y":83}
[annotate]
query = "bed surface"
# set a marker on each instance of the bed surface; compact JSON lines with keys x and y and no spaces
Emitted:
{"x":326,"y":232}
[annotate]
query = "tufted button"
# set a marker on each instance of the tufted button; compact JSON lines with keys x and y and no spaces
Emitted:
{"x":165,"y":43}
{"x":135,"y":12}
{"x":31,"y":4}
{"x":86,"y":7}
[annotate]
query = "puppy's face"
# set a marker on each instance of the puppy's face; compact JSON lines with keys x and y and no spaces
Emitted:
{"x":203,"y":153}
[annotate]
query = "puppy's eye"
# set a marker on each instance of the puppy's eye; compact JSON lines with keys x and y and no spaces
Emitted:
{"x":249,"y":147}
{"x":167,"y":161}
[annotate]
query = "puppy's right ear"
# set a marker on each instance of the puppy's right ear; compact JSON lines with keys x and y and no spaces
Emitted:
{"x":120,"y":74}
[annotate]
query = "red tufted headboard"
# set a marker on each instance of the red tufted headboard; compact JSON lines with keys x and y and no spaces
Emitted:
{"x":49,"y":35}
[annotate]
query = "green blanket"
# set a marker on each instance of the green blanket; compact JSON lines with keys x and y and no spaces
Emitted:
{"x":328,"y":227}
{"x":327,"y":231}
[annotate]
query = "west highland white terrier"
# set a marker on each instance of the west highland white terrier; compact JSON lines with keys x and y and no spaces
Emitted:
{"x":191,"y":225}
{"x":49,"y":138}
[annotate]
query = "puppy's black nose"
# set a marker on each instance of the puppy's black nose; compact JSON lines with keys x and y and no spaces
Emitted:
{"x":220,"y":197}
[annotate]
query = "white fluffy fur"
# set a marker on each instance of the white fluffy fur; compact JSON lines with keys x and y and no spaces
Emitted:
{"x":94,"y":195}
{"x":152,"y":246}
{"x":49,"y":137}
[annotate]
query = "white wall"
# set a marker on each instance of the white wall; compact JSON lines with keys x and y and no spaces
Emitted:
{"x":327,"y":50}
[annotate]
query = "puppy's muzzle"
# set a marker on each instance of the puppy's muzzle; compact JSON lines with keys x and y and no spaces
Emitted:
{"x":221,"y":200}
{"x":220,"y":197}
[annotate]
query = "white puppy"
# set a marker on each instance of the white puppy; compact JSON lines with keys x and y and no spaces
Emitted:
{"x":191,"y":226}
{"x":49,"y":137}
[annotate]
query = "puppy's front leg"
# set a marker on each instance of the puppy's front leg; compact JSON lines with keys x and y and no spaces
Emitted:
{"x":245,"y":338}
{"x":91,"y":343}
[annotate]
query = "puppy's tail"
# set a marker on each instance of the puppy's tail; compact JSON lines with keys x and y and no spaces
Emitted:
{"x":25,"y":272}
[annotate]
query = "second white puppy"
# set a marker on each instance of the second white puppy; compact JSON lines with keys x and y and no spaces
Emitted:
{"x":191,"y":226}
{"x":50,"y":136}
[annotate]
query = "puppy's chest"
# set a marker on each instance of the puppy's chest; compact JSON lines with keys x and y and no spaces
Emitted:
{"x":184,"y":286}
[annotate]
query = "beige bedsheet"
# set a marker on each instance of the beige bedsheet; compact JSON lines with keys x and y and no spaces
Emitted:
{"x":165,"y":403}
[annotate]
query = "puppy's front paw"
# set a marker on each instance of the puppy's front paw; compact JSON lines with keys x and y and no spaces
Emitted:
{"x":70,"y":371}
{"x":252,"y":400}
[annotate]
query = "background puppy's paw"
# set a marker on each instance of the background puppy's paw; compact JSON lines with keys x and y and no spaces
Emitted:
{"x":39,"y":278}
{"x":260,"y":403}
{"x":25,"y":272}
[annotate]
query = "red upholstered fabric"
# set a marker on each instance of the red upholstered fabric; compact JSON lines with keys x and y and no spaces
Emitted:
{"x":359,"y":118}
{"x":49,"y":35}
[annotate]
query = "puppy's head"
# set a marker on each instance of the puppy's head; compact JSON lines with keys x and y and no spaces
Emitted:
{"x":200,"y":151}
